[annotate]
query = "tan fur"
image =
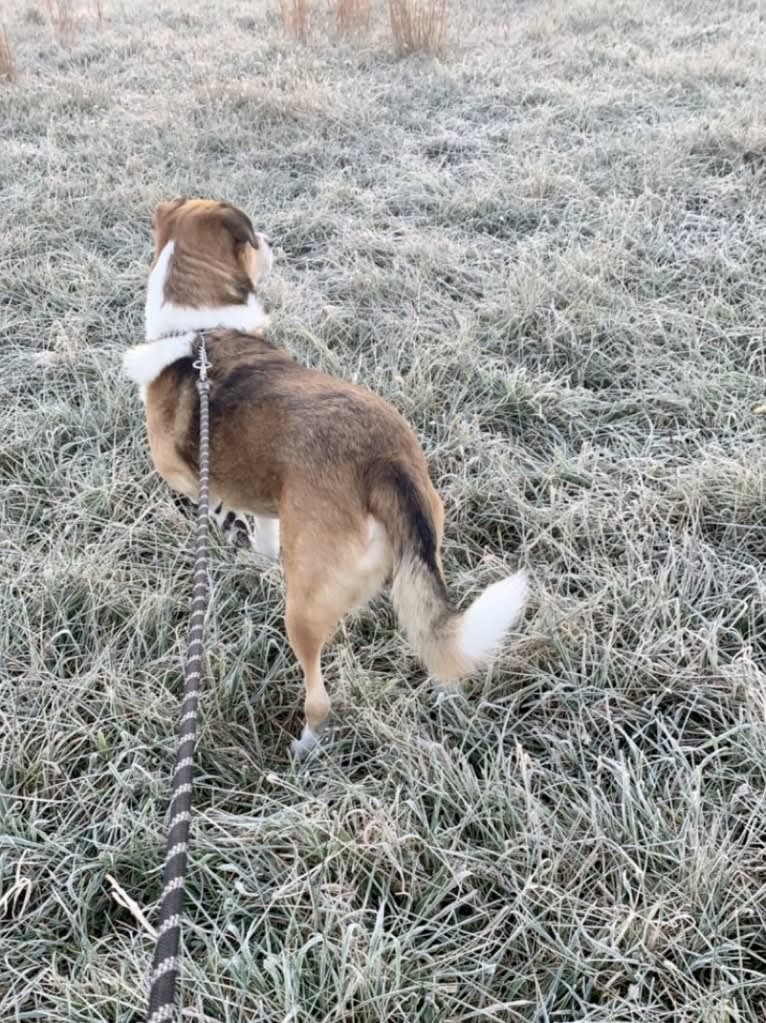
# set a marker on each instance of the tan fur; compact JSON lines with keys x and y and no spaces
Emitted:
{"x":340,"y":467}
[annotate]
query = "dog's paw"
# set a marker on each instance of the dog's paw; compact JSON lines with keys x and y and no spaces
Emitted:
{"x":262,"y":538}
{"x":183,"y":504}
{"x":234,"y":529}
{"x":307,"y":743}
{"x":238,"y":535}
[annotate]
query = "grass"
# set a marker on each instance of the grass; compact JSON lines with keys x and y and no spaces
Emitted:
{"x":353,"y":16}
{"x":547,"y":251}
{"x":7,"y":61}
{"x":63,"y":19}
{"x":295,"y":18}
{"x":418,"y":25}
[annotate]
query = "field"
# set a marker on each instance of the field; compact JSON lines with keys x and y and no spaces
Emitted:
{"x":547,"y":247}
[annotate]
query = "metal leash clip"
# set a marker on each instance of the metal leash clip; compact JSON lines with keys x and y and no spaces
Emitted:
{"x":202,"y":364}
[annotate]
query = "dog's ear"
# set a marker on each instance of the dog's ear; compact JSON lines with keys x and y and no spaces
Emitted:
{"x":239,"y":226}
{"x":165,"y":210}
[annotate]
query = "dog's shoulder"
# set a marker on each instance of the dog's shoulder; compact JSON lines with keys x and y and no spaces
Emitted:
{"x":246,"y":367}
{"x":232,"y":348}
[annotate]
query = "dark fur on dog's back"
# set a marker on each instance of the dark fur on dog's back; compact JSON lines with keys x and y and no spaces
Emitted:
{"x":282,"y":414}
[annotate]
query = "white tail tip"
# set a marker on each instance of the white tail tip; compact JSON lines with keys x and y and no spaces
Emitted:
{"x":491,"y":615}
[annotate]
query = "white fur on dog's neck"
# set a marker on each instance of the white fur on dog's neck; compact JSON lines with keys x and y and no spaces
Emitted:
{"x":171,"y":329}
{"x":144,"y":363}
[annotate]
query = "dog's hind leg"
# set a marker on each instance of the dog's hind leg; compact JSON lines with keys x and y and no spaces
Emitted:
{"x":335,"y":558}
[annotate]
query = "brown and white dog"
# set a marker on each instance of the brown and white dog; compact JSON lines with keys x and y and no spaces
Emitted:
{"x":330,"y":470}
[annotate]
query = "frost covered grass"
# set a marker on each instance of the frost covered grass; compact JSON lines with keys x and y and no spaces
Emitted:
{"x":547,"y":249}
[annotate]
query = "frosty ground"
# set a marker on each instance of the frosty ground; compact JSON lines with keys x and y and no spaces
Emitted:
{"x":547,"y":248}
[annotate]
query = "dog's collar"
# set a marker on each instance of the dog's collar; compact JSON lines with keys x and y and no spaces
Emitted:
{"x":174,"y":321}
{"x":144,"y":363}
{"x":177,"y":333}
{"x":205,"y":332}
{"x":193,"y":338}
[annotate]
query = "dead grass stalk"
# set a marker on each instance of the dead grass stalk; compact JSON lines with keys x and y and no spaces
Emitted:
{"x":7,"y":60}
{"x":295,"y":18}
{"x":418,"y":25}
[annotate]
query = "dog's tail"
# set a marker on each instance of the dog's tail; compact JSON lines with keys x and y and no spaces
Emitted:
{"x":451,"y":643}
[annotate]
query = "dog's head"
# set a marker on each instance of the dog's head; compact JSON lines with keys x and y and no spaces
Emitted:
{"x":216,"y":256}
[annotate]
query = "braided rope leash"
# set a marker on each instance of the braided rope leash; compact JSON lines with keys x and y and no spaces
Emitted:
{"x":165,"y":967}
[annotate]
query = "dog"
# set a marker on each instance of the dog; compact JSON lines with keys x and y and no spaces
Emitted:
{"x":333,"y":474}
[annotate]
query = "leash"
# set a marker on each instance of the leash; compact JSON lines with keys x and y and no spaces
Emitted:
{"x":165,"y":967}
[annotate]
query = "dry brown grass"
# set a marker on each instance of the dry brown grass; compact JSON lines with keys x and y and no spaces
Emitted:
{"x":295,"y":18}
{"x":352,"y":16}
{"x":418,"y":25}
{"x":62,"y":18}
{"x":7,"y":61}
